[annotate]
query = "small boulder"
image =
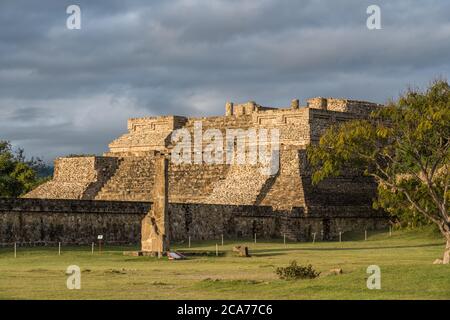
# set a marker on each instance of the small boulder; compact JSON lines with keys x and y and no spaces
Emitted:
{"x":242,"y":251}
{"x":336,"y":271}
{"x":236,"y":248}
{"x":175,"y":256}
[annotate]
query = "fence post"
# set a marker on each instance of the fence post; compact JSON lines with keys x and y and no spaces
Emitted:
{"x":59,"y":248}
{"x":314,"y":237}
{"x":217,"y":250}
{"x":15,"y":249}
{"x":222,"y":239}
{"x":365,"y":234}
{"x":189,"y":241}
{"x":340,"y":236}
{"x":92,"y":248}
{"x":284,"y":239}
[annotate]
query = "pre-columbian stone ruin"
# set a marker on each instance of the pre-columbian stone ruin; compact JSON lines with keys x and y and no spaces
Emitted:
{"x":112,"y":194}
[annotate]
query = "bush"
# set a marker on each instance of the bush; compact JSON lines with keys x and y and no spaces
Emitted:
{"x":18,"y":175}
{"x":294,"y":272}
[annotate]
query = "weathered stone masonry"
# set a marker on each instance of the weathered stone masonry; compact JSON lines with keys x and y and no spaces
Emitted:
{"x":70,"y":221}
{"x":80,"y":221}
{"x":232,"y":199}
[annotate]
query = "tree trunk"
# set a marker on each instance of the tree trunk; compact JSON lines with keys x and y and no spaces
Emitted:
{"x":444,"y":227}
{"x":446,"y":259}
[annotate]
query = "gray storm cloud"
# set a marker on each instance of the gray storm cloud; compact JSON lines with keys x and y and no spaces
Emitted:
{"x":71,"y":91}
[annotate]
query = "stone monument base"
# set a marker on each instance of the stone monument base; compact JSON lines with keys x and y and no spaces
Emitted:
{"x":142,"y":253}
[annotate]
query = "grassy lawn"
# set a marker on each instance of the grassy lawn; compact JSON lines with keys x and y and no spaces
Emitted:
{"x":405,"y":259}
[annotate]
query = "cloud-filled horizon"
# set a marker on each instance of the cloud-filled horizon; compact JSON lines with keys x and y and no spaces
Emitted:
{"x":71,"y":91}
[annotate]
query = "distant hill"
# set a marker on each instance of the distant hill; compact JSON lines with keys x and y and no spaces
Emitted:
{"x":45,"y":171}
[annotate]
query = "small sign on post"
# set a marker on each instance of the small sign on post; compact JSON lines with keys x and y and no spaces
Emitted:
{"x":100,"y":238}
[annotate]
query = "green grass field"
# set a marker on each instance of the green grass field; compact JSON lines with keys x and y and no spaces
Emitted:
{"x":405,"y":260}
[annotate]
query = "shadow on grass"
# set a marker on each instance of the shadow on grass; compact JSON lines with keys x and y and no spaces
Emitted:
{"x":196,"y":247}
{"x":256,"y":254}
{"x":255,"y":251}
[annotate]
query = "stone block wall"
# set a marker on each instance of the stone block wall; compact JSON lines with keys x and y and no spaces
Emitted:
{"x":355,"y":107}
{"x":146,"y":135}
{"x":210,"y":222}
{"x":70,"y":221}
{"x":232,"y":109}
{"x":193,"y":183}
{"x":293,"y":124}
{"x":320,"y":120}
{"x":80,"y":221}
{"x":285,"y":190}
{"x":77,"y":178}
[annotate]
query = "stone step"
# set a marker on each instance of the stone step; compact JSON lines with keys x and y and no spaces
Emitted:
{"x":133,"y":179}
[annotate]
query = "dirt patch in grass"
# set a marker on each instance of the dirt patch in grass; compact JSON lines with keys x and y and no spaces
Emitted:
{"x":39,"y":270}
{"x":233,"y":282}
{"x":160,"y":283}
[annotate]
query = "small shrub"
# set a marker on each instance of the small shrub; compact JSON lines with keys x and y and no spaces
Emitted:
{"x":294,"y":271}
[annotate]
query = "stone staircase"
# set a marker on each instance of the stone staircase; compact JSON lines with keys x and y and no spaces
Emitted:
{"x":133,"y":181}
{"x":242,"y":185}
{"x":55,"y":189}
{"x":194,"y":182}
{"x":223,"y":184}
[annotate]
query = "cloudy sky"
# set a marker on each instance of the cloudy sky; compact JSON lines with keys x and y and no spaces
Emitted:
{"x":71,"y":91}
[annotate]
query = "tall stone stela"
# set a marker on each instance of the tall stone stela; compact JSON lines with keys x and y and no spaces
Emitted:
{"x":155,"y":225}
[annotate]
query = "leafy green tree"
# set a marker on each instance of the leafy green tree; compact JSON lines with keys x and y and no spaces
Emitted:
{"x":405,"y":147}
{"x":17,"y":176}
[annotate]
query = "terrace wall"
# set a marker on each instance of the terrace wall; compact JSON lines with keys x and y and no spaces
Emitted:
{"x":80,"y":221}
